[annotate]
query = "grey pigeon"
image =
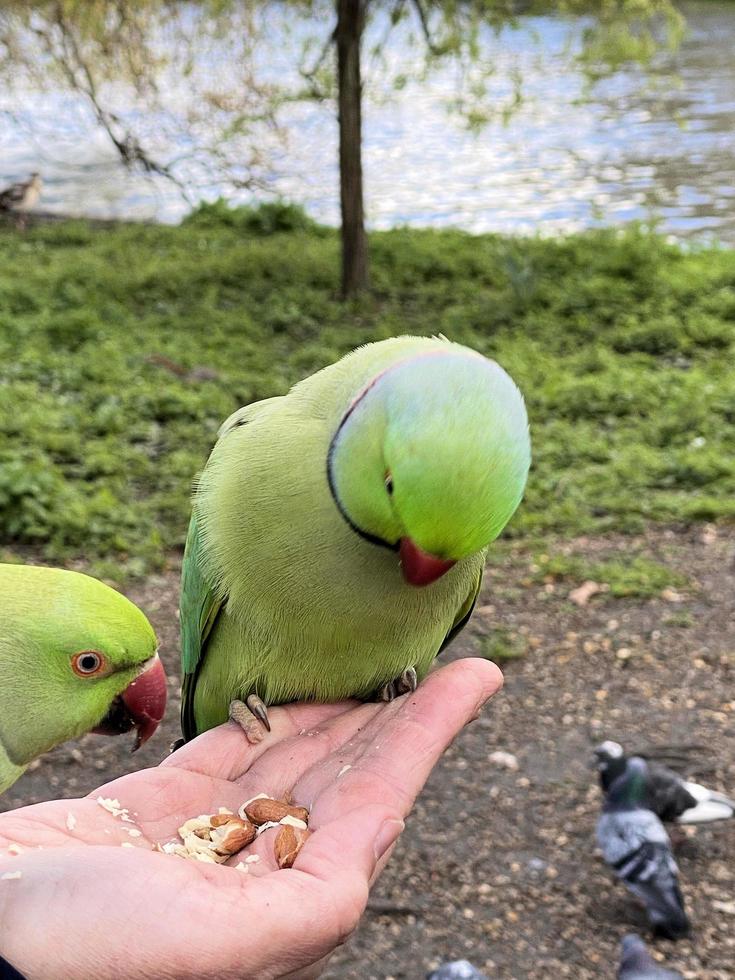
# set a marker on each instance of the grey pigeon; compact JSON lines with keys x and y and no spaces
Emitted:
{"x":669,"y":796}
{"x":636,"y":846}
{"x":458,"y":970}
{"x":636,"y":963}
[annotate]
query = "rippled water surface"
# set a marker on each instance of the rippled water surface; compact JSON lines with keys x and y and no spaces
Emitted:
{"x":633,"y":150}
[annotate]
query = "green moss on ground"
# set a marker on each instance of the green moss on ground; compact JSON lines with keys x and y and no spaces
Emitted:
{"x":122,"y":349}
{"x":626,"y":577}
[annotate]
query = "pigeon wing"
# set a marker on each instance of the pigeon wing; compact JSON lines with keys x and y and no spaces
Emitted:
{"x":652,"y":875}
{"x":667,"y":794}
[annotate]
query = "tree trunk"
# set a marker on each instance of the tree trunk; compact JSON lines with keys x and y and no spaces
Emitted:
{"x":350,"y":23}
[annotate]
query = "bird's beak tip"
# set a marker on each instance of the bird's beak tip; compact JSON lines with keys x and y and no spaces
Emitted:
{"x":418,"y":566}
{"x":145,"y":699}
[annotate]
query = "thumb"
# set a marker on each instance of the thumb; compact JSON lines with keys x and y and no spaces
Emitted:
{"x":352,"y":844}
{"x":327,"y":889}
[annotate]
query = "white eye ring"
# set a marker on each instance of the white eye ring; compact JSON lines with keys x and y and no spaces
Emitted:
{"x":389,"y":485}
{"x":87,"y":662}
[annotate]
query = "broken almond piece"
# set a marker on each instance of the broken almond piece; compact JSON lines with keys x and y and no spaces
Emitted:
{"x":288,"y":843}
{"x":213,"y":838}
{"x":196,"y":825}
{"x":112,"y":806}
{"x":289,"y":821}
{"x":232,"y":836}
{"x":207,"y":856}
{"x":196,"y":845}
{"x":220,"y":819}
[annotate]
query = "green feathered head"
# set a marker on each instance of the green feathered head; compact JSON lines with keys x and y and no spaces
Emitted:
{"x":432,"y":458}
{"x":75,"y":656}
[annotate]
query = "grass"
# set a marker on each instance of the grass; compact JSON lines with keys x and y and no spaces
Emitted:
{"x":681,"y":620}
{"x":500,"y":645}
{"x":637,"y":577}
{"x":122,"y":349}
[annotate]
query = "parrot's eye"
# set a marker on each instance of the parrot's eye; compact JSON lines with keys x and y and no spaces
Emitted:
{"x":389,"y":485}
{"x":87,"y":662}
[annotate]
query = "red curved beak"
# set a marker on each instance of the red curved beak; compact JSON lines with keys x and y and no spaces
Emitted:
{"x":419,"y":567}
{"x":145,"y":700}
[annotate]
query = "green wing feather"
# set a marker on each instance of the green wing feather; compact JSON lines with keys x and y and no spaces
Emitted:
{"x":9,"y":771}
{"x":200,"y":607}
{"x":199,"y":604}
{"x":463,"y":616}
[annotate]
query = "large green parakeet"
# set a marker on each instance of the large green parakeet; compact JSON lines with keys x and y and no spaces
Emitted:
{"x":339,"y":533}
{"x":75,"y":656}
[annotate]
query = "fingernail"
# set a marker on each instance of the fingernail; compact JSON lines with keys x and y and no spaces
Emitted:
{"x":388,"y":834}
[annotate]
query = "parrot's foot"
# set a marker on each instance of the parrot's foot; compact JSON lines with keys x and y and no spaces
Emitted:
{"x":252,"y":716}
{"x":176,"y":744}
{"x":406,"y":683}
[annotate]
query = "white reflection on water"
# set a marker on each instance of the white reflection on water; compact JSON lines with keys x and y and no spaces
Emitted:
{"x":559,"y":165}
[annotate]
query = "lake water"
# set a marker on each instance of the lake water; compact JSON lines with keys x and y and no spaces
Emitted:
{"x":634,"y":150}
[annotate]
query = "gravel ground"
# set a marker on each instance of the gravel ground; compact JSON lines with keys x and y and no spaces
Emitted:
{"x":498,"y":865}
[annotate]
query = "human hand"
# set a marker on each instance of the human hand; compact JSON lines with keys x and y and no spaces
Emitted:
{"x":84,"y":906}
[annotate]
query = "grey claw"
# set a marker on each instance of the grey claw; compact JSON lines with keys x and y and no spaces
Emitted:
{"x":388,"y":692}
{"x":408,"y":681}
{"x":259,"y":709}
{"x":405,"y":684}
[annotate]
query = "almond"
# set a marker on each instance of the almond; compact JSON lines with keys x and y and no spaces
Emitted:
{"x":264,"y":810}
{"x":233,"y":836}
{"x":288,"y":843}
{"x":298,"y":813}
{"x":220,"y":819}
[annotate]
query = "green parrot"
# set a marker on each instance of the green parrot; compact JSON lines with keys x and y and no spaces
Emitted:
{"x":338,"y":535}
{"x":75,"y":656}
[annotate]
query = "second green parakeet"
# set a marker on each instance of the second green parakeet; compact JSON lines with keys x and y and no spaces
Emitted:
{"x":75,"y":656}
{"x":339,"y":532}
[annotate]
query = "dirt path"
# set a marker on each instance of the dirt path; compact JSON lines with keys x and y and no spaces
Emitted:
{"x":499,"y":865}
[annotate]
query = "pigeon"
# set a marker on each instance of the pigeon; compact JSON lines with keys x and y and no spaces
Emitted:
{"x":671,"y":798}
{"x":636,"y":963}
{"x":22,"y":196}
{"x":457,"y":970}
{"x":635,"y":844}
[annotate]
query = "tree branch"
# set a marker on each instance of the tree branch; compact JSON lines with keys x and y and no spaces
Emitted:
{"x":424,"y":21}
{"x":310,"y":72}
{"x":72,"y":63}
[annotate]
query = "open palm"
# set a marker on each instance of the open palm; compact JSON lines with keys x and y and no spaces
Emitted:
{"x":85,"y":906}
